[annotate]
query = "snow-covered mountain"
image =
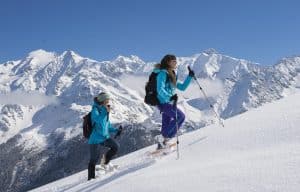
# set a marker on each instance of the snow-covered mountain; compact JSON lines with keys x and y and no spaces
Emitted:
{"x":44,"y":96}
{"x":256,"y":151}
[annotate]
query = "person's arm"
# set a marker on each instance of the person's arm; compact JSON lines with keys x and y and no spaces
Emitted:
{"x":185,"y":84}
{"x":112,"y":129}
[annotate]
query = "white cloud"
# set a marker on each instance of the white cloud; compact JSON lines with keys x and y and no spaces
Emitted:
{"x":27,"y":98}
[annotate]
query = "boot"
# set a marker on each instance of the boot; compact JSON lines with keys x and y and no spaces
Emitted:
{"x":91,"y":171}
{"x":163,"y":144}
{"x":103,"y":160}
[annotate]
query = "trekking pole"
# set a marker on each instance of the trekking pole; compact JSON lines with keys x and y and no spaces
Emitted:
{"x":177,"y":137}
{"x":210,"y":105}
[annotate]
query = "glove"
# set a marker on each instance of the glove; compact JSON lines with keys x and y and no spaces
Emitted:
{"x":174,"y":98}
{"x":119,"y":131}
{"x":191,"y":73}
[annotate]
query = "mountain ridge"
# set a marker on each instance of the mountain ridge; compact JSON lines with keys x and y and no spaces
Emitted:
{"x":233,"y":86}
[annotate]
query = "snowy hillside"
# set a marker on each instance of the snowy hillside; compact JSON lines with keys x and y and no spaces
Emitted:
{"x":44,"y":96}
{"x":256,"y":151}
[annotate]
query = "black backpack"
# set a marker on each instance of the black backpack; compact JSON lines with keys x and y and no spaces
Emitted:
{"x":87,"y":125}
{"x":151,"y":91}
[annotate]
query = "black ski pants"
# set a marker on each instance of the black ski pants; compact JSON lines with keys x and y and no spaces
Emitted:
{"x":95,"y":150}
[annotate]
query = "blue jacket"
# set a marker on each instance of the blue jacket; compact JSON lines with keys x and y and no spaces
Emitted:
{"x":165,"y":89}
{"x":102,"y":127}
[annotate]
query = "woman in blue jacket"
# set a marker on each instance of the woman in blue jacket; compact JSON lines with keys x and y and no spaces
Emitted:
{"x":100,"y":135}
{"x":166,"y":86}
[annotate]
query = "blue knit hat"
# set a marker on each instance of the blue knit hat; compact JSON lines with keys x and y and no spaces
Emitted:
{"x":102,"y":97}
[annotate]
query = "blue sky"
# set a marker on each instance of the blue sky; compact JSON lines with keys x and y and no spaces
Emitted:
{"x":261,"y":31}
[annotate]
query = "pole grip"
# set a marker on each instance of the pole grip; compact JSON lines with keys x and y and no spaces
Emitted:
{"x":189,"y":68}
{"x":175,"y":103}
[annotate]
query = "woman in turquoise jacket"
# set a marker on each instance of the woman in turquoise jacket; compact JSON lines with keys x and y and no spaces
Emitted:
{"x":100,"y":135}
{"x":166,"y":86}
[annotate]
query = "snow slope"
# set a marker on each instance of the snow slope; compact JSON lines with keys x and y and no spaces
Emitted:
{"x":256,"y":151}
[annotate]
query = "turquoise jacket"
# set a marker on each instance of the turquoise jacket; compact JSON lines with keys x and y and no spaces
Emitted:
{"x":101,"y":125}
{"x":165,"y":89}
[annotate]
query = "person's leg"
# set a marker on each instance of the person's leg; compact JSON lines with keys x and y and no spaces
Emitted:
{"x":170,"y":129}
{"x":91,"y":171}
{"x":113,"y":148}
{"x":180,"y":117}
{"x":94,"y":157}
{"x":173,"y":126}
{"x":165,"y":124}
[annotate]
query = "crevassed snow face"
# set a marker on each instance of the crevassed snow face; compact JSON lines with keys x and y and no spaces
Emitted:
{"x":134,"y":82}
{"x":212,"y":88}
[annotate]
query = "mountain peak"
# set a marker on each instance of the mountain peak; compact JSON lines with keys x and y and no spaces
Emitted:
{"x":40,"y":53}
{"x":41,"y":57}
{"x":131,"y":59}
{"x":210,"y":51}
{"x":69,"y":54}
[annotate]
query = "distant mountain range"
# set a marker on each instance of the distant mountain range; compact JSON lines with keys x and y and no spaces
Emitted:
{"x":44,"y":96}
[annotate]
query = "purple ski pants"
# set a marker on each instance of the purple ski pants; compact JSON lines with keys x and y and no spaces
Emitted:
{"x":168,"y":129}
